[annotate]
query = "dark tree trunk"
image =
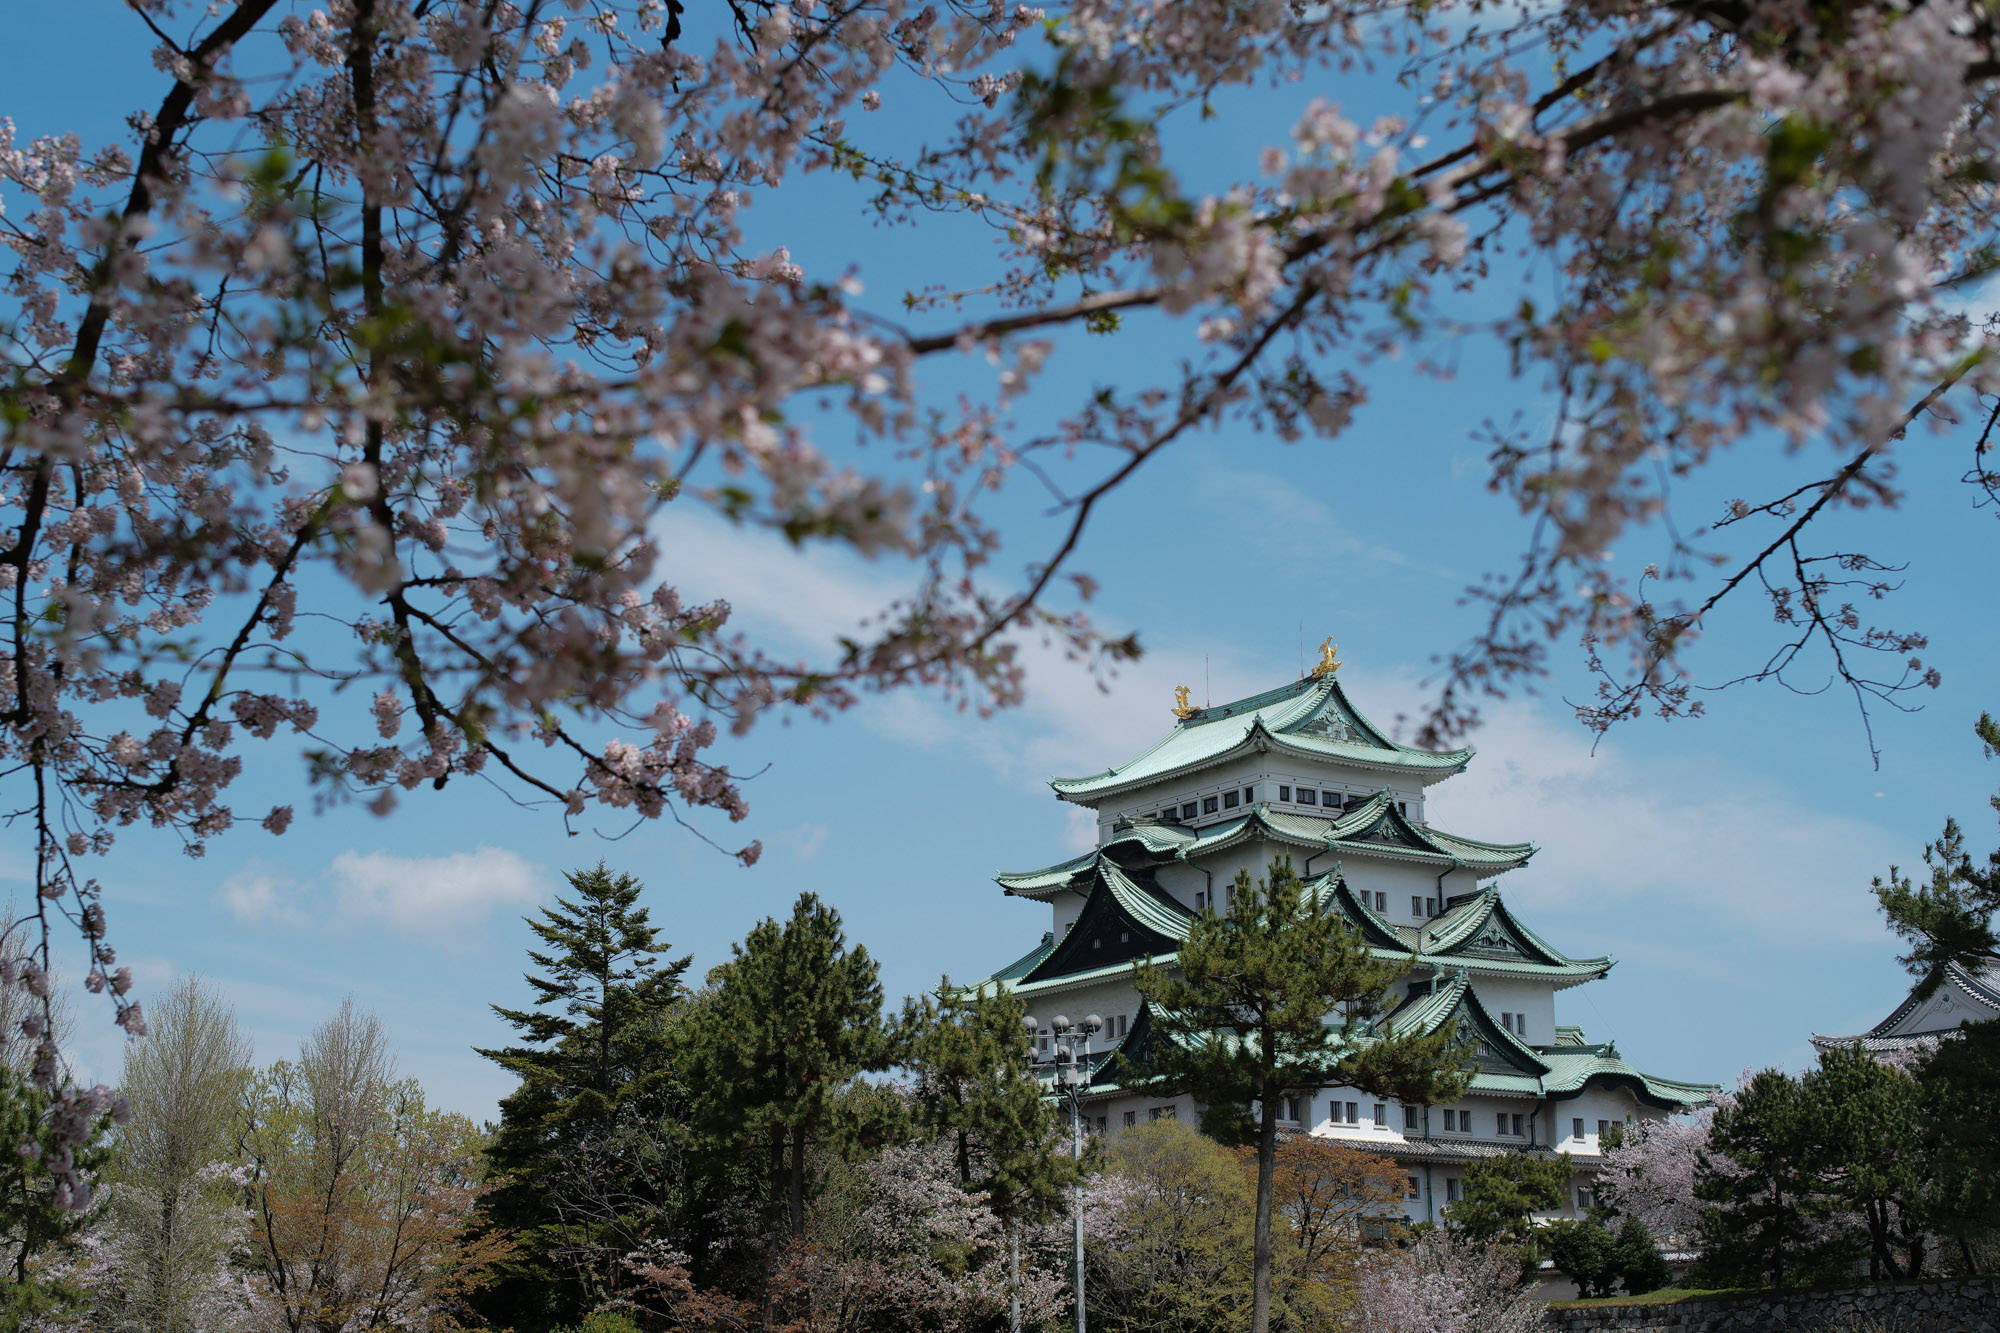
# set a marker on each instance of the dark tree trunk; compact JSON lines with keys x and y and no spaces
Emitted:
{"x":798,"y":1191}
{"x":1267,"y":1157}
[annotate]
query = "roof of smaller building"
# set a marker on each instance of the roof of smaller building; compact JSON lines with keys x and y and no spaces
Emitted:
{"x":1312,"y":718}
{"x":1899,"y":1032}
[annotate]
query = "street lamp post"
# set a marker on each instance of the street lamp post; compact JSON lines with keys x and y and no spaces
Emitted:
{"x":1072,"y":1058}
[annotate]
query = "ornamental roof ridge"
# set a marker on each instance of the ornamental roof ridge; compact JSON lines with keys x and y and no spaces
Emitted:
{"x":1277,"y":719}
{"x":1983,"y":985}
{"x":1467,"y":913}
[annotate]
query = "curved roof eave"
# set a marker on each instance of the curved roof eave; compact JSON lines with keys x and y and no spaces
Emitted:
{"x":1242,"y":727}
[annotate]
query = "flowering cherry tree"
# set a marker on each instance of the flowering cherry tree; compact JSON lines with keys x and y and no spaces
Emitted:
{"x":1650,"y":1174}
{"x":376,"y":352}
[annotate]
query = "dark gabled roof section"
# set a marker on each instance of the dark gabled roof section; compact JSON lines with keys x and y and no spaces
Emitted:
{"x":1481,"y":926}
{"x":1376,"y":932}
{"x":1454,"y":1002}
{"x":1122,"y":920}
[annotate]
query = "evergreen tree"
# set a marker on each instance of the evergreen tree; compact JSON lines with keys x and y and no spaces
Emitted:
{"x":1960,"y":1088}
{"x":586,"y":1142}
{"x":1870,"y":1154}
{"x":789,"y":1022}
{"x":1636,"y":1255}
{"x":1950,"y":918}
{"x":975,"y":1084}
{"x":1765,"y":1224}
{"x":1246,"y":1017}
{"x":39,"y":1227}
{"x":1503,"y":1193}
{"x":976,"y":1087}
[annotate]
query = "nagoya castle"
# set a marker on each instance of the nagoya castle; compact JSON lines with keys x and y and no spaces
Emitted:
{"x":1298,"y":771}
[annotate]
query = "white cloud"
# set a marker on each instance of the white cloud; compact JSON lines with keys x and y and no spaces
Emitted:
{"x":807,"y":840}
{"x":436,"y":898}
{"x":431,"y":896}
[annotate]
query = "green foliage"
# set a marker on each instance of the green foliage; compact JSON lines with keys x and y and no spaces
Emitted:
{"x":37,"y":1232}
{"x":1960,"y":1088}
{"x":605,"y":1321}
{"x":1770,"y":1224}
{"x":1600,"y":1261}
{"x":1184,"y":1262}
{"x":1502,"y":1194}
{"x":1949,"y":918}
{"x":975,"y":1085}
{"x":1244,"y":1017}
{"x":1636,"y":1255}
{"x":1871,"y":1155}
{"x":1587,"y":1252}
{"x":787,"y":1025}
{"x":588,"y":1144}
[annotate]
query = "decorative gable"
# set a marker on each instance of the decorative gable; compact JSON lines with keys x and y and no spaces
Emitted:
{"x":1121,"y":922}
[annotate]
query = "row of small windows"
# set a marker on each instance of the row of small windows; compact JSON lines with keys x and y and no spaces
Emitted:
{"x":1576,"y":1127}
{"x":1208,"y":805}
{"x":1234,"y":797}
{"x":1423,"y":907}
{"x":1514,"y":1023}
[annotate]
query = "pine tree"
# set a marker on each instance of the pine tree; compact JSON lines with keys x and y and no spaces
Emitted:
{"x":585,"y":1142}
{"x":1244,"y":1019}
{"x":1951,"y":919}
{"x":1764,"y":1223}
{"x":976,"y":1087}
{"x":788,"y":1024}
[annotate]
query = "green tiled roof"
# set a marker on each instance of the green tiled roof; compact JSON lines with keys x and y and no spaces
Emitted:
{"x":1311,"y":718}
{"x":1570,"y":1072}
{"x":1374,"y":828}
{"x":1457,"y":942}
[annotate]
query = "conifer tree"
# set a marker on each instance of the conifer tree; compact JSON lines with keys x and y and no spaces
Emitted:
{"x":584,"y":1142}
{"x":789,"y":1022}
{"x":1951,"y":917}
{"x":1755,"y":1173}
{"x":1281,"y":994}
{"x":976,"y":1086}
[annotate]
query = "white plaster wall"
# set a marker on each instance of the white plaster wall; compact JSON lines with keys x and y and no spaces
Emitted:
{"x":1265,"y":773}
{"x":1105,"y":999}
{"x":1535,"y":999}
{"x":1065,"y":907}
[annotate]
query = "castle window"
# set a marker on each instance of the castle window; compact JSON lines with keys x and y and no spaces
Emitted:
{"x":1507,"y":1020}
{"x":1576,"y":1128}
{"x":1289,"y":1109}
{"x":1430,"y":907}
{"x":1353,"y":1113}
{"x":1451,"y":1120}
{"x":1131,"y":1119}
{"x":1200,"y":901}
{"x":1208,"y":805}
{"x":1307,"y":798}
{"x":1118,"y":1021}
{"x":1187,"y":811}
{"x":1329,"y":798}
{"x":1229,"y":799}
{"x":1501,"y":1126}
{"x":1520,"y":1132}
{"x":1097,"y":944}
{"x":1124,"y":937}
{"x":1163,"y":1113}
{"x":1284,"y":793}
{"x":1249,"y":796}
{"x":1409,"y":1117}
{"x":1402,"y":807}
{"x":1381,"y":901}
{"x":1381,"y":1116}
{"x":1603,"y":1128}
{"x":1451,"y":1189}
{"x":1412,"y":1187}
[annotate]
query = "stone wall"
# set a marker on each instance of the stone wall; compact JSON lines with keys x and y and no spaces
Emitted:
{"x":1969,"y":1306}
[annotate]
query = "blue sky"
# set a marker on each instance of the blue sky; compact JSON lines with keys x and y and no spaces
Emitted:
{"x":1725,"y":861}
